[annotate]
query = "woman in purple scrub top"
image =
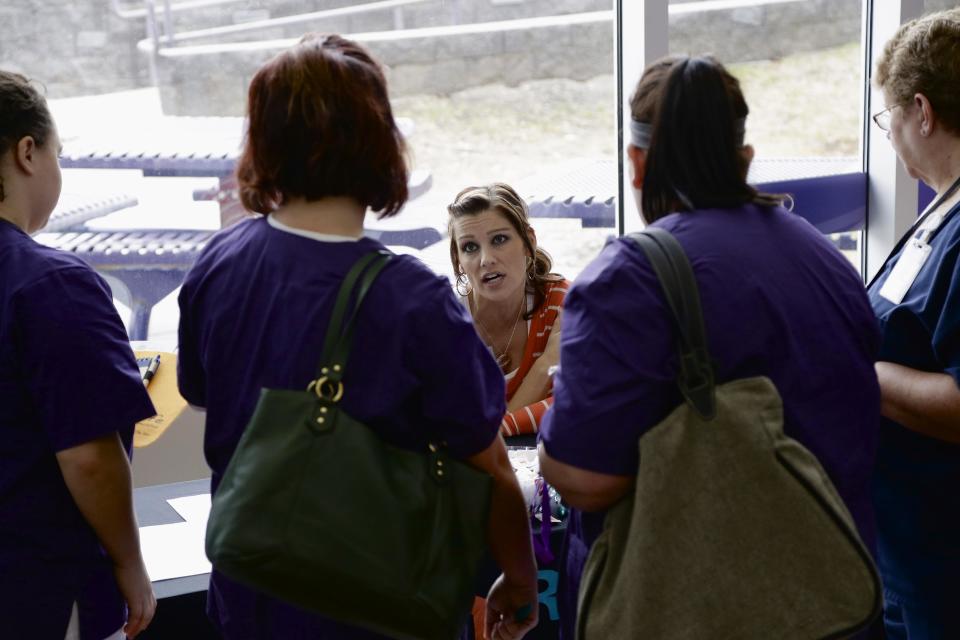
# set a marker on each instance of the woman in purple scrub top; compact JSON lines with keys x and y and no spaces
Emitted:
{"x":778,"y":299}
{"x":322,"y":147}
{"x":70,"y":395}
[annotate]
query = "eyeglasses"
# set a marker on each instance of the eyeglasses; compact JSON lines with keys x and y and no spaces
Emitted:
{"x":882,"y":118}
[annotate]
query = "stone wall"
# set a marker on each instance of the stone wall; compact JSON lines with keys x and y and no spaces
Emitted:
{"x":78,"y":47}
{"x":215,"y":83}
{"x":766,"y":32}
{"x":72,"y":47}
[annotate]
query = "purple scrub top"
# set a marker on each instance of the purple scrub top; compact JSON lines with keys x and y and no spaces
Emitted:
{"x":67,"y":376}
{"x":779,"y":301}
{"x":254,"y":312}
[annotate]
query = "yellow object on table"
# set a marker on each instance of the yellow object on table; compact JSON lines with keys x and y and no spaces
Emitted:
{"x":166,"y":399}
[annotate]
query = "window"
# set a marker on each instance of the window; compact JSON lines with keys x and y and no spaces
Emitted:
{"x":524,"y":91}
{"x":519,"y":91}
{"x":800,"y":66}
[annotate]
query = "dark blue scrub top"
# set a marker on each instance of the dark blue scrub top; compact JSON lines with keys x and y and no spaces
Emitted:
{"x":67,"y":376}
{"x":917,"y":483}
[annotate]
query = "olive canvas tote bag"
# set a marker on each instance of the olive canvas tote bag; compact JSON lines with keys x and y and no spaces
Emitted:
{"x":733,"y":529}
{"x":316,"y":510}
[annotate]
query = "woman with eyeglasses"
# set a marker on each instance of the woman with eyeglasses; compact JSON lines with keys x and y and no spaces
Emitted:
{"x":916,"y":297}
{"x":778,"y":301}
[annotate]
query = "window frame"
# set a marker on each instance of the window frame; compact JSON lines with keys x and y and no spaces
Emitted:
{"x":883,"y":190}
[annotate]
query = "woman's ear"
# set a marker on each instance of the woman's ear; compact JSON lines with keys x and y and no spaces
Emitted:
{"x":638,"y":165}
{"x":24,"y":155}
{"x":926,"y":113}
{"x":532,"y":236}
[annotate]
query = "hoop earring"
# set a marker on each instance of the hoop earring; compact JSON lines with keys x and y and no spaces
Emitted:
{"x":463,"y":285}
{"x":531,"y":268}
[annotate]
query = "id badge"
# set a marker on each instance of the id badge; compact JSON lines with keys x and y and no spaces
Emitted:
{"x":905,"y":271}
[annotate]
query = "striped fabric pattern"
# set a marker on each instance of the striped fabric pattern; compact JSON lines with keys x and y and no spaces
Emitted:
{"x":527,"y":419}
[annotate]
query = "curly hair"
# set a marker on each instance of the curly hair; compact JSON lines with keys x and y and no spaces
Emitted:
{"x":924,"y":57}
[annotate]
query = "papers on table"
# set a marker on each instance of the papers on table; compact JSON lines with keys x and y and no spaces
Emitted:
{"x":526,"y":465}
{"x":176,"y":550}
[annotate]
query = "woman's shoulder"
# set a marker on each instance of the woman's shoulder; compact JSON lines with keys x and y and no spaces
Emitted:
{"x":416,"y":290}
{"x":37,"y":264}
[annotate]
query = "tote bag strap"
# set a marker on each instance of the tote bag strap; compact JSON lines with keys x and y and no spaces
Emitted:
{"x":356,"y":284}
{"x":673,"y":270}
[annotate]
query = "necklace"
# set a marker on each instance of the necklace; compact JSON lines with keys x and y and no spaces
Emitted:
{"x":503,"y":358}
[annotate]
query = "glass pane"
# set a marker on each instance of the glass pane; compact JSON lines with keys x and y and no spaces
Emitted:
{"x":519,"y":91}
{"x":535,"y":108}
{"x":800,"y":66}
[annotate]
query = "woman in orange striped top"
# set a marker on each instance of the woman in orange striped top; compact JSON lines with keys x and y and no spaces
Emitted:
{"x":515,"y":300}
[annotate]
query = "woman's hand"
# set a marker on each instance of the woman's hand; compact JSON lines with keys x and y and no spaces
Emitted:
{"x":137,"y":591}
{"x":511,"y":610}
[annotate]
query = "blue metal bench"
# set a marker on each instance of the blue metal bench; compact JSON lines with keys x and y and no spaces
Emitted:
{"x":73,"y":210}
{"x":829,"y":192}
{"x":150,"y":264}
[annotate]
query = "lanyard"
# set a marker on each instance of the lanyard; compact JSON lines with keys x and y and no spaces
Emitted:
{"x":929,"y":233}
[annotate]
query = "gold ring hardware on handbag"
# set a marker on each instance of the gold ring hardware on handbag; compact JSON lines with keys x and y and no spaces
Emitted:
{"x":326,"y":389}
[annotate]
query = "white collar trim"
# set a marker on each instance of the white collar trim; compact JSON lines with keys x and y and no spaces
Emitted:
{"x":313,"y":235}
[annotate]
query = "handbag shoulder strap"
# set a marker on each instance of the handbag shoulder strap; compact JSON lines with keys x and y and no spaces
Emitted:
{"x":673,"y":270}
{"x":356,"y":284}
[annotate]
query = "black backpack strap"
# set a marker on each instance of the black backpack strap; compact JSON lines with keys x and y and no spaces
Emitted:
{"x":670,"y":263}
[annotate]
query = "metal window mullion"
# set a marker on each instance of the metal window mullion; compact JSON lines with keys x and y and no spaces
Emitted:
{"x":641,"y":33}
{"x":892,"y":195}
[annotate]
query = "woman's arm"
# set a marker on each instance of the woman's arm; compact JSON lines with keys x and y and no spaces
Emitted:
{"x":508,"y":534}
{"x":525,"y":420}
{"x":928,"y":403}
{"x":97,"y":473}
{"x":583,"y":489}
{"x":537,"y":384}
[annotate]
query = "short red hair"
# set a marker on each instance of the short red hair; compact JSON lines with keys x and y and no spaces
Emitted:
{"x":319,"y":125}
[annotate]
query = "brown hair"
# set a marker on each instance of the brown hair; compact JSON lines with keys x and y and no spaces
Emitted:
{"x":694,"y":160}
{"x":501,"y":197}
{"x":320,"y":124}
{"x":924,"y":57}
{"x":23,"y":112}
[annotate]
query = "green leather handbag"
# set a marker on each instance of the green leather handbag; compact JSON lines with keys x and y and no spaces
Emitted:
{"x":316,"y":510}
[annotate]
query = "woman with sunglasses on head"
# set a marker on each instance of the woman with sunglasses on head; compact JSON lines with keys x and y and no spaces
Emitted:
{"x":504,"y":279}
{"x":70,"y":395}
{"x":322,"y":147}
{"x":778,"y":301}
{"x":916,"y":296}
